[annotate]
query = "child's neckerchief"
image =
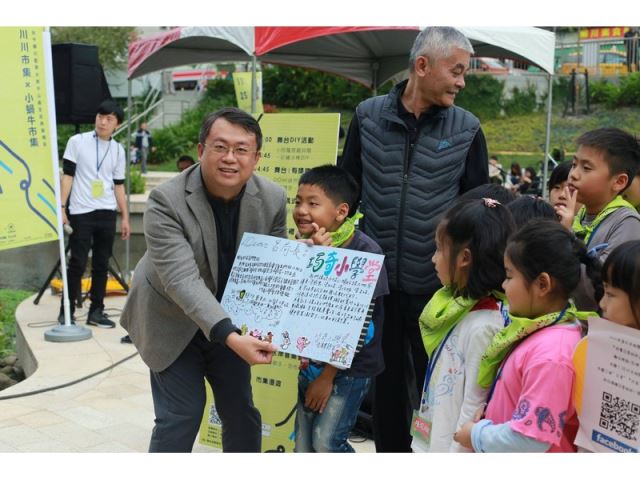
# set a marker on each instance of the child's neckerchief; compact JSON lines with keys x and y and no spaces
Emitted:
{"x":585,"y":232}
{"x":441,"y":315}
{"x":345,"y":231}
{"x":506,"y":339}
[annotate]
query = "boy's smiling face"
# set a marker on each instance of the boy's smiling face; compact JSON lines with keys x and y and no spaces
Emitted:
{"x":313,"y":205}
{"x":591,"y":176}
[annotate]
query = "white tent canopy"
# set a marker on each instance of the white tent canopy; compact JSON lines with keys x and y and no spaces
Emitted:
{"x":373,"y":55}
{"x":369,"y":55}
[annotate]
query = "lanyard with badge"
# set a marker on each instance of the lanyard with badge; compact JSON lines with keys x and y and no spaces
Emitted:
{"x":97,"y":186}
{"x":420,"y":427}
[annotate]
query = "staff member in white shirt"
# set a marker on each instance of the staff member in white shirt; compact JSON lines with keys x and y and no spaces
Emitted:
{"x":94,"y":165}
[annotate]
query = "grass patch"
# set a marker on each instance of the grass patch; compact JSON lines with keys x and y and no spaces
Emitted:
{"x":527,"y":133}
{"x":9,"y":301}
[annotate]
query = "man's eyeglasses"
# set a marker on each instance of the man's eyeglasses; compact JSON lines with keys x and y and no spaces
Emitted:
{"x":238,"y":152}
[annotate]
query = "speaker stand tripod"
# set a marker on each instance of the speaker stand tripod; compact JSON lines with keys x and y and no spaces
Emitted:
{"x":80,"y":298}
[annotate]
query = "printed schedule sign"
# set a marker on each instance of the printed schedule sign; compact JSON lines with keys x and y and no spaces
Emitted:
{"x":311,"y":301}
{"x":27,"y":188}
{"x":294,"y":143}
{"x":242,"y":86}
{"x":610,"y":413}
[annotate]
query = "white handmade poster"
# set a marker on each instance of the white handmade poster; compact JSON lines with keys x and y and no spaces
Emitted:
{"x":310,"y":301}
{"x":610,"y":412}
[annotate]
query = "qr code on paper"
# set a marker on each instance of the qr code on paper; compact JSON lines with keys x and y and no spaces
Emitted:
{"x":619,"y":416}
{"x":214,"y":418}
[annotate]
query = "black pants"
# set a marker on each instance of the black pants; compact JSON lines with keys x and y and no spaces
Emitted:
{"x":93,"y":231}
{"x":179,"y":397}
{"x":397,"y":389}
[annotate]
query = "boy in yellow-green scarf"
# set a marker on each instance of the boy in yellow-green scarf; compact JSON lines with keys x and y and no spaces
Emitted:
{"x":329,"y":398}
{"x":606,"y":162}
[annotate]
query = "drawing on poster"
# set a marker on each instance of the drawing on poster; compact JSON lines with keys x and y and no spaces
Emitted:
{"x":313,"y":297}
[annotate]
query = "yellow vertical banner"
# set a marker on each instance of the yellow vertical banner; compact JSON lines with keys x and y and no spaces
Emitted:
{"x":27,"y":187}
{"x":275,"y":394}
{"x":292,"y":144}
{"x":242,"y":86}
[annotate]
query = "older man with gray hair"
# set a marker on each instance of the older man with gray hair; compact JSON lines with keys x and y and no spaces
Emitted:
{"x":413,"y":153}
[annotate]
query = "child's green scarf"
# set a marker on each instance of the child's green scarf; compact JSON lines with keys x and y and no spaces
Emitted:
{"x":518,"y":329}
{"x":441,"y":314}
{"x":344,"y":232}
{"x":585,"y":231}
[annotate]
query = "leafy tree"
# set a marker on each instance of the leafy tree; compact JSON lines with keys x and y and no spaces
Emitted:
{"x":112,"y":42}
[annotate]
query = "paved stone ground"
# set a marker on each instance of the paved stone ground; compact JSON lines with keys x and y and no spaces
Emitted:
{"x":111,"y":412}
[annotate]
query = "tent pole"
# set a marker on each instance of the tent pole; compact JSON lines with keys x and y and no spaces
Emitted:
{"x":128,"y":157}
{"x":545,"y":168}
{"x":545,"y":165}
{"x":254,"y":86}
{"x":374,"y":76}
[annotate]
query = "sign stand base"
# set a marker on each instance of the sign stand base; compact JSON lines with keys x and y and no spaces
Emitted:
{"x":67,"y":333}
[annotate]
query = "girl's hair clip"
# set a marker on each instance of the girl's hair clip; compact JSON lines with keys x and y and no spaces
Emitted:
{"x":490,"y":202}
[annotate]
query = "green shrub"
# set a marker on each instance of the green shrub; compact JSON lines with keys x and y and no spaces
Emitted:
{"x":9,"y":301}
{"x":296,"y":87}
{"x":182,"y":137}
{"x":629,"y":90}
{"x":560,"y":89}
{"x":602,"y":91}
{"x":482,"y":95}
{"x":137,"y":181}
{"x":220,"y":87}
{"x":522,"y":102}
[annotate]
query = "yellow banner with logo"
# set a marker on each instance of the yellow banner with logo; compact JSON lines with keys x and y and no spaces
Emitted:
{"x":27,"y":187}
{"x":275,"y":395}
{"x":242,"y":85}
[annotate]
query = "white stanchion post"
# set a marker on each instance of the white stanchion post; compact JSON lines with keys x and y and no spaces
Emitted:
{"x":66,"y":332}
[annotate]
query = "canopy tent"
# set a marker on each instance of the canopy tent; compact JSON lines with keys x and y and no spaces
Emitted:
{"x":369,"y":55}
{"x":185,"y":45}
{"x":373,"y":55}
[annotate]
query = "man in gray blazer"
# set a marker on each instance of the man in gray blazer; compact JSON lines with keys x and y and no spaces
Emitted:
{"x":193,"y":225}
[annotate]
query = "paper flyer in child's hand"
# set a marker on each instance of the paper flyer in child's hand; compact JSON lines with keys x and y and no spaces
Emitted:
{"x":310,"y":301}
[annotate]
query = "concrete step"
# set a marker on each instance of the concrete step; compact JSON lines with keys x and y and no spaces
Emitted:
{"x":153,"y":179}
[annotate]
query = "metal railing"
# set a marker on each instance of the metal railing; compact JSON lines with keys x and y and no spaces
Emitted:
{"x":133,"y":120}
{"x":604,"y":57}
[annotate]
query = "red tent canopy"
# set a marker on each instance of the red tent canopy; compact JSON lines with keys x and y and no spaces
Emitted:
{"x":271,"y":38}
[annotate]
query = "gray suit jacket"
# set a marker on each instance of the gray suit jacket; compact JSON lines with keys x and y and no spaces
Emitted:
{"x":174,"y":284}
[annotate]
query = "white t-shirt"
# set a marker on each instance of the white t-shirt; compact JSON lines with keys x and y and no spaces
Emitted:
{"x":96,"y":160}
{"x":454,"y":394}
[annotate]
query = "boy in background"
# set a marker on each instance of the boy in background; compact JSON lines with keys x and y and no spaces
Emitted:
{"x":604,"y":165}
{"x":328,"y":398}
{"x":560,"y":196}
{"x":184,"y":162}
